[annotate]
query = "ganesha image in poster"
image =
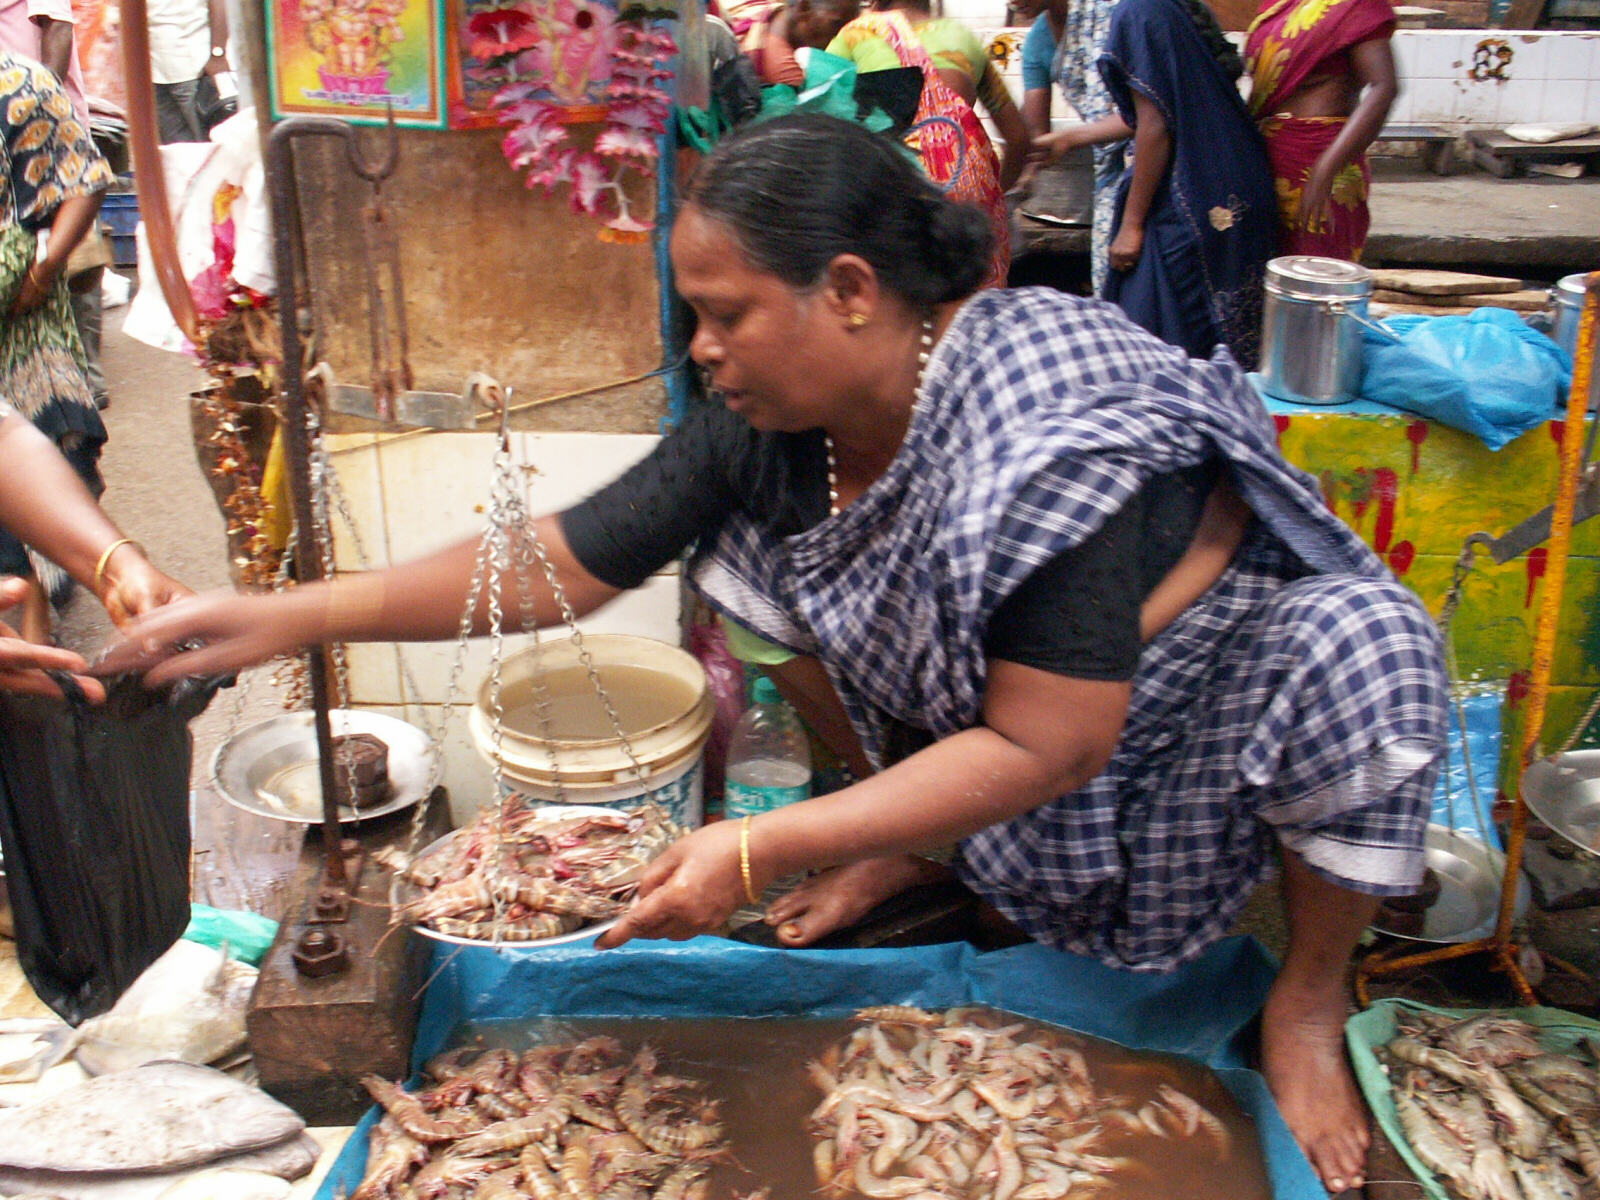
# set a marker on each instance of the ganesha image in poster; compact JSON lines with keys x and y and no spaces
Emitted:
{"x":357,"y":59}
{"x":562,"y":49}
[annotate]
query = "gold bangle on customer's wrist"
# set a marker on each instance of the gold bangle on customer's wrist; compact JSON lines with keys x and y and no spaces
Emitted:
{"x":105,"y":559}
{"x":744,"y":860}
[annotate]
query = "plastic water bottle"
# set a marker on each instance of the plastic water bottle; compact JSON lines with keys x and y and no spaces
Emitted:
{"x":769,"y":756}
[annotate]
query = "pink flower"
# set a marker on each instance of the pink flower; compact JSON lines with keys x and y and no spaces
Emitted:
{"x":527,"y":144}
{"x":630,"y":224}
{"x":637,"y":115}
{"x":590,"y":178}
{"x":501,"y":32}
{"x":619,"y":141}
{"x":551,"y":171}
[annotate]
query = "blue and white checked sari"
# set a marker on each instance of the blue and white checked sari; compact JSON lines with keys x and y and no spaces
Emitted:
{"x":1302,"y":696}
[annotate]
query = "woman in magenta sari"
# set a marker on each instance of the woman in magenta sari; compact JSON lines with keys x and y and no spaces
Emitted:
{"x":1322,"y":80}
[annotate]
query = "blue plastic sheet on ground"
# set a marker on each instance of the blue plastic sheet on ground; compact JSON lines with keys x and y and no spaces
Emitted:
{"x":1204,"y":1010}
{"x":1485,"y":372}
{"x":1453,"y":802}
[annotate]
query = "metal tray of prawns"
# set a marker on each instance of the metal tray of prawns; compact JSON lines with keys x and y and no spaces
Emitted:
{"x":609,"y":865}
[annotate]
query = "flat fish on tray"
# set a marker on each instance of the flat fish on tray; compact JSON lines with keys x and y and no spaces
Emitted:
{"x":189,"y":1004}
{"x":157,"y":1117}
{"x":253,"y":1175}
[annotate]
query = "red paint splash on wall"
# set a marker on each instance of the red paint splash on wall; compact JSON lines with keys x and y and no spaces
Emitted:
{"x":1517,"y":687}
{"x":1386,"y":488}
{"x":1557,"y":429}
{"x":1537,"y":560}
{"x":1281,"y":420}
{"x":1401,"y":557}
{"x":1416,"y":434}
{"x":1360,"y":495}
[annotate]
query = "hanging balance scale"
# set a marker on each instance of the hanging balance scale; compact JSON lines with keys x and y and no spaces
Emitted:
{"x":340,"y":989}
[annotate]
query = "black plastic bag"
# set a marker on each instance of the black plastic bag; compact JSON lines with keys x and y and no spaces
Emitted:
{"x":94,"y":828}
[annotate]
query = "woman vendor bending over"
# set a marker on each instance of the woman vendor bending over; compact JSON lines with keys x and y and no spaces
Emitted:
{"x":1082,"y":616}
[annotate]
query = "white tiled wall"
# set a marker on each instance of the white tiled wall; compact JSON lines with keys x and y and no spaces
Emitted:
{"x":408,"y":496}
{"x":1552,"y":75}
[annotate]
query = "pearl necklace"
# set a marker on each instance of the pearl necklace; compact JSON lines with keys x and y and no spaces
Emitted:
{"x":924,"y":352}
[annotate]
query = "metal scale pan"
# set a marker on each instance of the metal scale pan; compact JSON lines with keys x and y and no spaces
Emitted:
{"x":270,"y":769}
{"x":1470,"y":872}
{"x":1564,"y":793}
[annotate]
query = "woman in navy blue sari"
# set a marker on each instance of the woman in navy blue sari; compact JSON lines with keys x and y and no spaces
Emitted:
{"x":1197,"y":212}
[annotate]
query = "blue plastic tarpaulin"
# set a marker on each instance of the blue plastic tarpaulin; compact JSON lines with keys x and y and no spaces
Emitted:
{"x":1204,"y":1010}
{"x":1461,"y":801}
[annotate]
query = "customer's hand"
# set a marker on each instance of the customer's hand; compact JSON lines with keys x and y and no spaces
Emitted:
{"x":1126,"y":247}
{"x":134,"y":587}
{"x":23,"y":664}
{"x":36,"y":285}
{"x":1051,"y":146}
{"x":693,"y":888}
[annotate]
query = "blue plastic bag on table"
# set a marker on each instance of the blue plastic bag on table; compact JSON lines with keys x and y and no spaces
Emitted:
{"x":1205,"y":1009}
{"x":1486,"y":372}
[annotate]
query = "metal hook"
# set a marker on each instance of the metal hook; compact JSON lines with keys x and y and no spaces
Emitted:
{"x":374,"y":171}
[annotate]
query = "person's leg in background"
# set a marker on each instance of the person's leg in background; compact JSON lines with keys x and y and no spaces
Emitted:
{"x":176,"y":119}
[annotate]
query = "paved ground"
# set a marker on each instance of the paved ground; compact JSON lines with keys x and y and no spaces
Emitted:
{"x":1534,"y":228}
{"x":155,"y":491}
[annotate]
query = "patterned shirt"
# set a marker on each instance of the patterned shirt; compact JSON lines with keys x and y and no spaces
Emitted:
{"x":1305,"y":692}
{"x":48,"y":156}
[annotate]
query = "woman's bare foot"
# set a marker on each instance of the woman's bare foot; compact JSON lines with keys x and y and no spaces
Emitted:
{"x":1304,"y":1060}
{"x":843,"y":895}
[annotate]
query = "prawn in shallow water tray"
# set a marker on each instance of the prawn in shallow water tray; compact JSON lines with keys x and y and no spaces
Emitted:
{"x":967,"y":1103}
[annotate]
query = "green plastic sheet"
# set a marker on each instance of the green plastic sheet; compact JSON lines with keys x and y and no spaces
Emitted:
{"x":248,"y":935}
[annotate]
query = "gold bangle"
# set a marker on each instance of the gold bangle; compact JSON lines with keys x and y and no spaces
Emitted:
{"x":105,"y":557}
{"x":744,"y":860}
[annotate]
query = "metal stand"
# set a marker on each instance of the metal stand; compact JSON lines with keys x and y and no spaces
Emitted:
{"x":322,"y":949}
{"x":1506,"y":955}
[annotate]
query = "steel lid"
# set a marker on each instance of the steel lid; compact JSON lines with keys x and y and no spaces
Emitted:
{"x":1569,"y":289}
{"x":1309,"y":277}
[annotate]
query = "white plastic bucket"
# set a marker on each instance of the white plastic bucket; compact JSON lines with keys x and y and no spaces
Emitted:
{"x":662,"y":703}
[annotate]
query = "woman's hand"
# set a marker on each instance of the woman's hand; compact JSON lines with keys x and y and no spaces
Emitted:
{"x":234,"y":631}
{"x":23,"y":664}
{"x":1312,"y":211}
{"x":134,"y":587}
{"x":692,"y":888}
{"x":36,"y":285}
{"x":1126,"y":247}
{"x":1049,"y":147}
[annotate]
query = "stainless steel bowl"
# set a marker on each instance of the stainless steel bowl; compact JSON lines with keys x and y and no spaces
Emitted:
{"x":1564,"y":793}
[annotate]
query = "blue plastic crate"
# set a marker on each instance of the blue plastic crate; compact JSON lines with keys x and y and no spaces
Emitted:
{"x":120,"y":212}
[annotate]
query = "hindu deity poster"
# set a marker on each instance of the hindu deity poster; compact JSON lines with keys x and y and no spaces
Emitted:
{"x":356,"y":59}
{"x":556,"y":51}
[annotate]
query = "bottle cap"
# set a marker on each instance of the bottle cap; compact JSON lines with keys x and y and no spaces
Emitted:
{"x":764,"y":691}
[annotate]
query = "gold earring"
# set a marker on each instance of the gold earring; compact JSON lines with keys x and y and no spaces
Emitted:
{"x":857,"y":320}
